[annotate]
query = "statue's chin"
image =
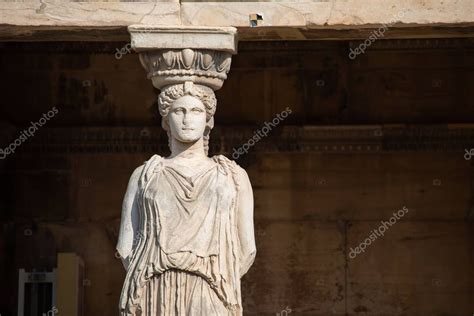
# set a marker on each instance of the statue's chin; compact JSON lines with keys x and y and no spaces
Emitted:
{"x":187,"y":140}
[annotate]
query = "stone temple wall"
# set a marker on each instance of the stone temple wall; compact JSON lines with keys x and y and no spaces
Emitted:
{"x":366,"y":137}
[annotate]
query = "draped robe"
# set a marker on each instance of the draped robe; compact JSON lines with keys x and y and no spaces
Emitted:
{"x":192,"y":240}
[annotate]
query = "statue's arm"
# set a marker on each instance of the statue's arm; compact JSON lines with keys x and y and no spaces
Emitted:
{"x":248,"y":249}
{"x":129,"y":219}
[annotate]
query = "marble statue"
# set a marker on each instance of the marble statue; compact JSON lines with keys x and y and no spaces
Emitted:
{"x":186,"y":235}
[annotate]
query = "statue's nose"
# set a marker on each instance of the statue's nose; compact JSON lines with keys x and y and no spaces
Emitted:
{"x":185,"y":119}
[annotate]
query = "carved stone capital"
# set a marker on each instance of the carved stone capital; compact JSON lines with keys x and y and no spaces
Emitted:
{"x":174,"y":55}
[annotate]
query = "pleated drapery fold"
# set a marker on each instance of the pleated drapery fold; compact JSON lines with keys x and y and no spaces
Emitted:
{"x":186,"y":261}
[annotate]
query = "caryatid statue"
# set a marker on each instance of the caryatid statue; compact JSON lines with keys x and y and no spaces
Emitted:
{"x":186,"y":235}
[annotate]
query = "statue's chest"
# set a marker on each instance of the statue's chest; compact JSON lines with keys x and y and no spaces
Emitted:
{"x":191,"y":215}
{"x":177,"y":195}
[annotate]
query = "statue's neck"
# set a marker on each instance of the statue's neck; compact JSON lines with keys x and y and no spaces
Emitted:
{"x":194,"y":150}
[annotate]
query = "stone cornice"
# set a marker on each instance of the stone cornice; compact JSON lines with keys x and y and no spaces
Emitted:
{"x":324,"y":139}
{"x":273,"y":47}
{"x":287,"y":20}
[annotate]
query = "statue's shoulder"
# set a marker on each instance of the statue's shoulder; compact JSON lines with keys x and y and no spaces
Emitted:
{"x":225,"y":162}
{"x":146,"y":164}
{"x":239,"y":173}
{"x":152,"y":162}
{"x":137,"y":173}
{"x":143,"y":171}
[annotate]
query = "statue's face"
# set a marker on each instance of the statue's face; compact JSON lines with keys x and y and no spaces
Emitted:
{"x":187,"y":119}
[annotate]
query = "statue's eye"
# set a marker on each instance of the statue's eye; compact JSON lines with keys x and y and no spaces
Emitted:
{"x":178,"y":110}
{"x":197,"y":110}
